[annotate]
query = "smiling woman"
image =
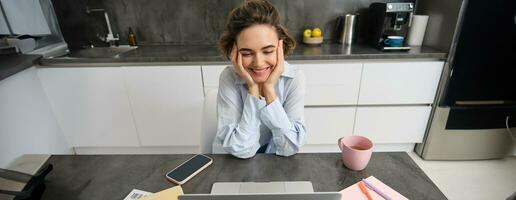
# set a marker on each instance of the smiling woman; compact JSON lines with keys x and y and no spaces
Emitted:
{"x":261,"y":97}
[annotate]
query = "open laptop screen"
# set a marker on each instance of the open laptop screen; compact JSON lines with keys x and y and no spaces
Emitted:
{"x":279,"y":196}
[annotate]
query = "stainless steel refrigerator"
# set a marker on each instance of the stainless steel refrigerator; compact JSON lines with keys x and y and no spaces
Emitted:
{"x":475,"y":108}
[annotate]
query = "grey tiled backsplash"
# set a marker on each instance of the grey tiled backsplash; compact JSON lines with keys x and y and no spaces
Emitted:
{"x":174,"y":22}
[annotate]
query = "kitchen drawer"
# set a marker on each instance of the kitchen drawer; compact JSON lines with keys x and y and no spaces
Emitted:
{"x":166,"y":104}
{"x":90,"y":105}
{"x":210,"y":76}
{"x":324,"y":125}
{"x":332,"y":84}
{"x":392,"y":124}
{"x":326,"y":84}
{"x":399,"y":83}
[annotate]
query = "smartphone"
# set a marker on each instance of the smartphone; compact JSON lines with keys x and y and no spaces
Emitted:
{"x":189,"y":169}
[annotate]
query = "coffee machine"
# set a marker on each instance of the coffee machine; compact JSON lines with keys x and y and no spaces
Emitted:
{"x":389,"y":19}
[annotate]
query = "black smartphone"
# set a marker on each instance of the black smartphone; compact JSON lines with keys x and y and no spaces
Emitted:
{"x":189,"y":169}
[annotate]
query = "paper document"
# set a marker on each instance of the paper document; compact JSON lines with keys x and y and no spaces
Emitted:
{"x":168,"y":194}
{"x":353,"y":191}
{"x":136,"y":194}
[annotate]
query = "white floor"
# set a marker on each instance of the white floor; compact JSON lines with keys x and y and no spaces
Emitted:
{"x":485,"y":179}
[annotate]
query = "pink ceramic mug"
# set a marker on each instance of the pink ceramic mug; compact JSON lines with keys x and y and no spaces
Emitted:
{"x":356,"y":151}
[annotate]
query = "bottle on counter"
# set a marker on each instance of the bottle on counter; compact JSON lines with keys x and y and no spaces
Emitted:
{"x":131,"y":38}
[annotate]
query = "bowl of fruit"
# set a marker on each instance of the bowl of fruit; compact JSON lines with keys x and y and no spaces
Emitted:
{"x":312,"y":36}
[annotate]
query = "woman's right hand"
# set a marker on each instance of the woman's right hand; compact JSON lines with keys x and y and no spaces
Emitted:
{"x":236,"y":60}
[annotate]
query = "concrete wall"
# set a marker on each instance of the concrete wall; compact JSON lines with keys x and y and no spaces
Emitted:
{"x":192,"y":21}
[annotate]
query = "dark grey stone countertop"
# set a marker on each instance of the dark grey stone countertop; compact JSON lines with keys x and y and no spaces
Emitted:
{"x":85,"y":177}
{"x":208,"y":54}
{"x":14,"y":63}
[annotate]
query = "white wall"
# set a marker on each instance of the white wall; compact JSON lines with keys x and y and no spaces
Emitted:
{"x":27,"y":124}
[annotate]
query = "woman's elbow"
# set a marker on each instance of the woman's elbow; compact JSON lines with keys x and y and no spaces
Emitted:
{"x":287,"y":154}
{"x":243,"y":155}
{"x":240,"y":152}
{"x":290,"y":151}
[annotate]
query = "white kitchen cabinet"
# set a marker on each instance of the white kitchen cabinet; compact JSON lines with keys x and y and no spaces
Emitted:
{"x":149,"y":107}
{"x":332,"y":83}
{"x":210,"y":76}
{"x":91,"y":105}
{"x":326,"y":84}
{"x":324,"y":125}
{"x":27,"y":123}
{"x":399,"y":82}
{"x":392,"y":124}
{"x":166,"y":102}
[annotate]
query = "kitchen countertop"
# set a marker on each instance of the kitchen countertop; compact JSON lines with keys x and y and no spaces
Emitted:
{"x":209,"y":54}
{"x":114,"y":176}
{"x":14,"y":63}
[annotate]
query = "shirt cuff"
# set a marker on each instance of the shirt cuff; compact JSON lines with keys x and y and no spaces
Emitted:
{"x":274,"y":116}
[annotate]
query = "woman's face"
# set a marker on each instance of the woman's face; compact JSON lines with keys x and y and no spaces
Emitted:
{"x":258,"y":44}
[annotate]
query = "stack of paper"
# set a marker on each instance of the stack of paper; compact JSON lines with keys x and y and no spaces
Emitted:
{"x":136,"y":194}
{"x":354,"y":192}
{"x":168,"y":194}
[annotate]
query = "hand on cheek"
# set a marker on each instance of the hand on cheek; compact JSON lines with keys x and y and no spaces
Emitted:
{"x":236,"y":60}
{"x":268,"y":90}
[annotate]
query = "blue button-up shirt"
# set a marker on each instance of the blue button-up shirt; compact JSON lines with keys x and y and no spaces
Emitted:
{"x":245,"y":122}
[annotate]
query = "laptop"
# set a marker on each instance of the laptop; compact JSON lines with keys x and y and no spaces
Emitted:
{"x":262,"y":187}
{"x":289,"y":190}
{"x":261,"y":196}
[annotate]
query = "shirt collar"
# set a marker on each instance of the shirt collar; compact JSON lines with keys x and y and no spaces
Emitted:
{"x":290,"y":72}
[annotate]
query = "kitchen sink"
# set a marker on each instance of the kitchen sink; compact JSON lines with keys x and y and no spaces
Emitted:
{"x":100,"y":52}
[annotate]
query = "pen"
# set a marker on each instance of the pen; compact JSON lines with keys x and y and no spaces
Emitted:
{"x":378,"y":191}
{"x":363,"y":188}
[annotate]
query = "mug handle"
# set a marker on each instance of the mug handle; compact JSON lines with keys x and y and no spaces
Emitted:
{"x":386,"y":42}
{"x":340,"y":144}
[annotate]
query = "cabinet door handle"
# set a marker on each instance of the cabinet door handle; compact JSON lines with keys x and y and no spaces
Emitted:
{"x":508,"y":128}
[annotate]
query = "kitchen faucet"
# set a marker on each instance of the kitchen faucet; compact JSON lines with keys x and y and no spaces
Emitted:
{"x":110,"y":38}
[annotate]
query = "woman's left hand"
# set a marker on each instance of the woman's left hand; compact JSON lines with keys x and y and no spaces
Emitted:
{"x":268,"y":90}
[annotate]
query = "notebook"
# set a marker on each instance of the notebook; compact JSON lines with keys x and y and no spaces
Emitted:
{"x":353,"y":191}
